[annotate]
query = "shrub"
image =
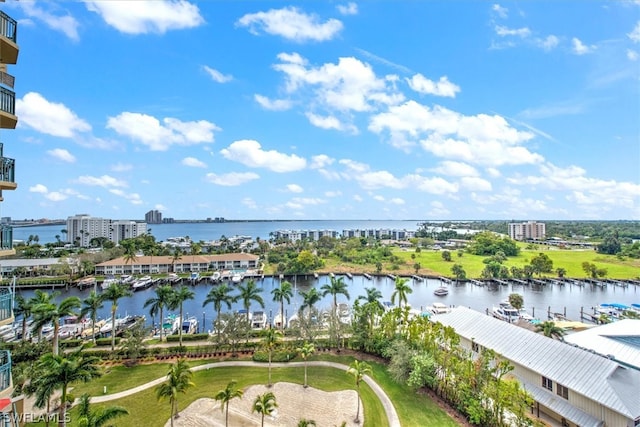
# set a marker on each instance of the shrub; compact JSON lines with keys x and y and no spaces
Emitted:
{"x":282,"y":355}
{"x":106,"y":341}
{"x":188,"y":337}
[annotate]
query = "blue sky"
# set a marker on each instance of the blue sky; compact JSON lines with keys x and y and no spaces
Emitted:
{"x":326,"y":110}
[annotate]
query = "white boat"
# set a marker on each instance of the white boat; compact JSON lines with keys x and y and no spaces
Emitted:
{"x":126,"y":279}
{"x":237,"y":277}
{"x":278,"y":320}
{"x":293,"y":321}
{"x":173,"y":278}
{"x":194,"y":277}
{"x":190,"y":326}
{"x":171,"y":324}
{"x":441,"y":291}
{"x":438,"y":308}
{"x":505,"y":311}
{"x":142,"y":283}
{"x":258,"y":320}
{"x":243,"y":314}
{"x":215,"y":276}
{"x":108,"y":281}
{"x":344,"y":312}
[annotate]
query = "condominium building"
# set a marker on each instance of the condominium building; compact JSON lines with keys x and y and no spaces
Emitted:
{"x":529,"y":230}
{"x":81,"y":229}
{"x":153,"y":217}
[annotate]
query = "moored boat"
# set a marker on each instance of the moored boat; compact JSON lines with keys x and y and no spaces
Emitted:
{"x":190,"y":325}
{"x":258,"y":320}
{"x":441,"y":291}
{"x":505,"y":311}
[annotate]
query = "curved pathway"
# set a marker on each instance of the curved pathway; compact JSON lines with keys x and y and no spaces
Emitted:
{"x":392,"y":415}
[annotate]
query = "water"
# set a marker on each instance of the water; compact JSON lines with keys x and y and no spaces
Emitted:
{"x":537,"y":299}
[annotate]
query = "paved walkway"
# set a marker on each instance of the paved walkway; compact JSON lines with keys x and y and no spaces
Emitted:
{"x":392,"y":415}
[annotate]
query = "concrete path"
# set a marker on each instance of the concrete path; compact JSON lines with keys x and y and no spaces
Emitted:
{"x":392,"y":415}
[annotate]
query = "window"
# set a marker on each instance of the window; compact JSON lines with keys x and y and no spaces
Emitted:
{"x":562,"y":391}
{"x":475,"y":347}
{"x":547,"y":383}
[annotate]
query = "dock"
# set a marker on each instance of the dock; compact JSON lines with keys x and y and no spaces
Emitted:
{"x":417,"y":278}
{"x":349,"y":275}
{"x":445,"y":280}
{"x":391,"y":276}
{"x":539,"y":282}
{"x":367,"y":276}
{"x":519,"y":282}
{"x":501,"y":282}
{"x":476,"y":282}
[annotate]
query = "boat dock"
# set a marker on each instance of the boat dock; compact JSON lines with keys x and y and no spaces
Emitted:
{"x":445,"y":280}
{"x":519,"y":282}
{"x":391,"y":276}
{"x":476,"y":282}
{"x":501,"y":282}
{"x":367,"y":276}
{"x":417,"y":278}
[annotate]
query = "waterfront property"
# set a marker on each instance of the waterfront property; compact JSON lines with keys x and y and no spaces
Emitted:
{"x":81,"y":229}
{"x":570,"y":386}
{"x":187,"y":263}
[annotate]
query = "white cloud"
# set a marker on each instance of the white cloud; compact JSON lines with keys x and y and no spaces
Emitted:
{"x":503,"y":31}
{"x":442,"y":87}
{"x":134,"y":198}
{"x":378,"y":198}
{"x":142,"y":17}
{"x":397,"y":201}
{"x":66,"y":24}
{"x":251,"y":154}
{"x":333,"y":193}
{"x":272,"y":104}
{"x":580,"y":48}
{"x":632,"y":55}
{"x":329,"y":122}
{"x":634,"y":35}
{"x":298,"y":203}
{"x":548,"y":43}
{"x":438,"y":210}
{"x":38,"y":188}
{"x":321,"y":161}
{"x":159,"y":136}
{"x":348,"y":9}
{"x":231,"y":179}
{"x":193,"y":162}
{"x":49,"y":117}
{"x":249,"y":202}
{"x":357,"y":198}
{"x":474,"y":183}
{"x":450,"y":168}
{"x":501,"y":11}
{"x":216,"y":75}
{"x":291,"y":24}
{"x":101,"y":181}
{"x":56,"y":196}
{"x":62,"y":154}
{"x":121,"y":167}
{"x":294,"y":188}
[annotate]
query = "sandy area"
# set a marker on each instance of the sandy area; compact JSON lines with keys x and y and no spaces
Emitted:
{"x":294,"y":403}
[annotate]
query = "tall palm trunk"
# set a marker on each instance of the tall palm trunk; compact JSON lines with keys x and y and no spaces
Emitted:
{"x":161,"y":324}
{"x":62,"y":422}
{"x":181,"y":321}
{"x":114,"y":308}
{"x":56,"y":329}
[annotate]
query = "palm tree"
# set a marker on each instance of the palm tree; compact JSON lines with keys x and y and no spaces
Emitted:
{"x":270,"y":341}
{"x":178,"y":298}
{"x":50,"y":312}
{"x":335,"y":287}
{"x":265,"y":404}
{"x":225,"y":396}
{"x":177,"y":254}
{"x":113,"y":293}
{"x":40,"y":297}
{"x":90,"y":306}
{"x":219,"y":295}
{"x":401,"y":291}
{"x":248,"y":293}
{"x":280,"y":294}
{"x":549,"y":329}
{"x":59,"y":371}
{"x":163,"y":298}
{"x":98,"y":418}
{"x":178,"y":381}
{"x":306,"y":423}
{"x":372,"y":296}
{"x":23,"y":307}
{"x":305,"y":351}
{"x":309,"y":300}
{"x":129,"y":252}
{"x":359,"y":369}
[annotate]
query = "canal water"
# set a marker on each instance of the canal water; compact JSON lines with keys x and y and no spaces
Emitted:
{"x":538,"y":300}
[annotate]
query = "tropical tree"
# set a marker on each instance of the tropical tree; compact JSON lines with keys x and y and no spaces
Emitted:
{"x":265,"y":404}
{"x":550,"y":329}
{"x":23,"y":308}
{"x":40,"y":297}
{"x":177,"y":254}
{"x":178,"y":381}
{"x":458,"y":272}
{"x":358,"y":370}
{"x":225,"y":396}
{"x":270,"y":341}
{"x":99,"y":418}
{"x":157,"y":304}
{"x":372,"y":296}
{"x":306,"y":423}
{"x":60,"y":371}
{"x":90,"y":306}
{"x":334,"y":287}
{"x":50,"y":312}
{"x":130,"y":255}
{"x":219,"y":295}
{"x":516,"y":301}
{"x":114,"y":293}
{"x":309,"y":300}
{"x":402,"y":289}
{"x":280,"y":294}
{"x":305,"y":351}
{"x":177,"y":299}
{"x":250,"y":292}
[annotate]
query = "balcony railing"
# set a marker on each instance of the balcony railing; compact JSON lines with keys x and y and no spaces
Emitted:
{"x":6,"y":238}
{"x":5,"y":369}
{"x":8,"y":27}
{"x":7,"y":170}
{"x":8,"y":101}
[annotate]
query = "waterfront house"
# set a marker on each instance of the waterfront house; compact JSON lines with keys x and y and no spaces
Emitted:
{"x":570,"y":386}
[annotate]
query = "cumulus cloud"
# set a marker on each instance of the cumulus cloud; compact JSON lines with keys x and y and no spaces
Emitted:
{"x":548,"y":43}
{"x":101,"y":181}
{"x":251,"y":154}
{"x":160,"y":136}
{"x":292,"y":24}
{"x":294,"y":188}
{"x":121,"y":167}
{"x":298,"y":203}
{"x":634,"y":35}
{"x":272,"y":104}
{"x":503,"y":31}
{"x":580,"y":48}
{"x":62,"y":154}
{"x":66,"y":24}
{"x":501,"y":11}
{"x":48,"y":117}
{"x":193,"y":162}
{"x":321,"y":161}
{"x":451,"y":168}
{"x":442,"y":87}
{"x":348,"y":9}
{"x":397,"y":201}
{"x":231,"y":179}
{"x":329,"y":122}
{"x":632,"y":55}
{"x":216,"y":75}
{"x":143,"y":16}
{"x":38,"y":188}
{"x":133,"y":198}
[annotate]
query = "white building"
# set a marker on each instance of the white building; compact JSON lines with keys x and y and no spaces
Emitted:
{"x":529,"y":230}
{"x":82,"y":228}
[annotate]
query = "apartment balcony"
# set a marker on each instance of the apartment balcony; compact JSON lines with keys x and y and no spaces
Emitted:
{"x":7,"y":173}
{"x":6,"y":249}
{"x":5,"y":374}
{"x":8,"y":119}
{"x":8,"y":39}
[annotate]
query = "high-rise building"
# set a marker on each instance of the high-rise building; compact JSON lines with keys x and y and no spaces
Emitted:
{"x":153,"y":217}
{"x":529,"y":230}
{"x":81,"y":229}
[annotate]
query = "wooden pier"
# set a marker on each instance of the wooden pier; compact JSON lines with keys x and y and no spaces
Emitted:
{"x":519,"y":282}
{"x":476,"y":282}
{"x":367,"y":276}
{"x":417,"y":278}
{"x":445,"y":280}
{"x":501,"y":282}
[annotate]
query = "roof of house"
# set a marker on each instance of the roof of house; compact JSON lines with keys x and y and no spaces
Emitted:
{"x":596,"y":377}
{"x":619,"y":340}
{"x":184,"y":259}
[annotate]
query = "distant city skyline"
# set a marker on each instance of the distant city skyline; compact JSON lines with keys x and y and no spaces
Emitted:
{"x":327,"y":110}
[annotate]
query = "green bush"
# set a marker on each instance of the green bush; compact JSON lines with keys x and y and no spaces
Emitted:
{"x":188,"y":337}
{"x":281,"y":355}
{"x":106,"y":341}
{"x":71,"y":343}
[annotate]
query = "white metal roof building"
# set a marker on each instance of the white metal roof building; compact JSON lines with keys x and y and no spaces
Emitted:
{"x":571,"y":385}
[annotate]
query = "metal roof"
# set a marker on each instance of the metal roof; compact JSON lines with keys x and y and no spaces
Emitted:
{"x":591,"y":375}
